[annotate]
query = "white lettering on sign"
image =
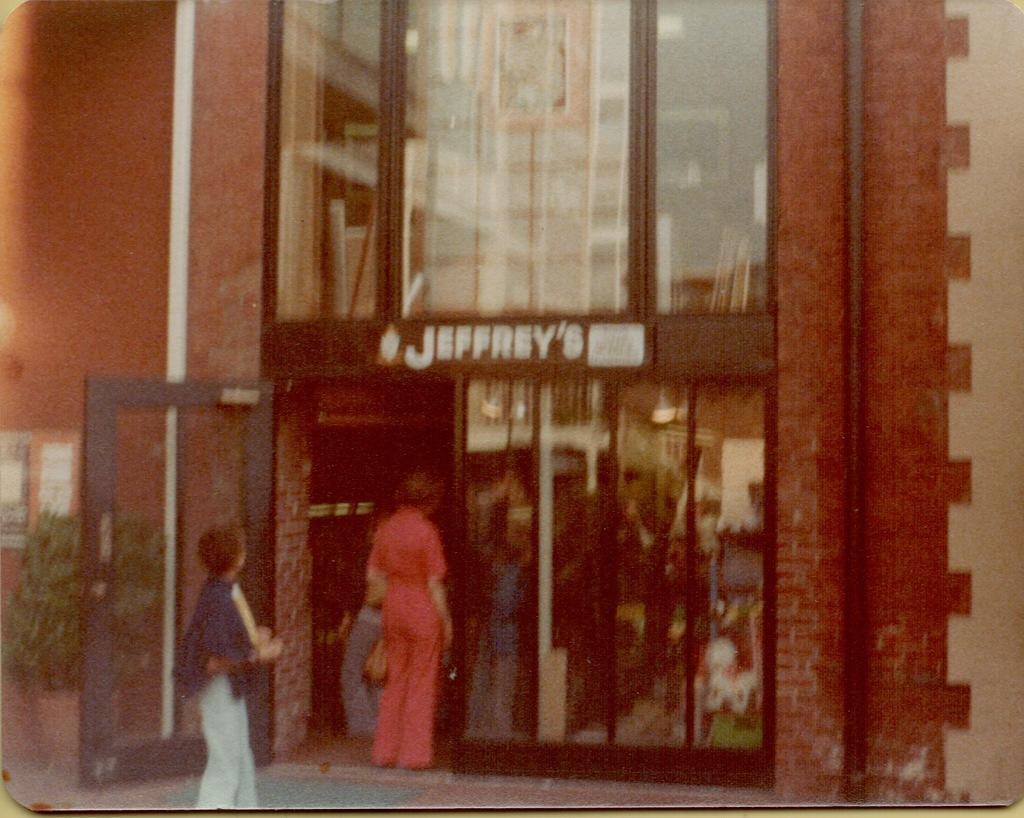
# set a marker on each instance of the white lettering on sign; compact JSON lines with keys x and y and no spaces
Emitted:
{"x":542,"y":336}
{"x":424,"y":357}
{"x":501,"y":342}
{"x":572,"y":342}
{"x":605,"y":345}
{"x":615,"y":345}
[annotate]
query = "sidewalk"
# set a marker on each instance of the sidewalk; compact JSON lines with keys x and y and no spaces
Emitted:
{"x":306,"y":784}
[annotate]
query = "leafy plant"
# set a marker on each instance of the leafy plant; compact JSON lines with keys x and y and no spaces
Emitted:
{"x":42,"y":634}
{"x":41,"y":629}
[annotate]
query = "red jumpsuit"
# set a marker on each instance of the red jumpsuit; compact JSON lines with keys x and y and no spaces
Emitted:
{"x":407,"y":548}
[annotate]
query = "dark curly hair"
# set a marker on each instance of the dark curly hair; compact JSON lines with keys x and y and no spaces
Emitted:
{"x":219,"y":548}
{"x":420,"y":489}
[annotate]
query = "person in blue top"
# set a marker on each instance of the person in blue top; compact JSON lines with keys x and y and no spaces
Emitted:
{"x":217,"y":659}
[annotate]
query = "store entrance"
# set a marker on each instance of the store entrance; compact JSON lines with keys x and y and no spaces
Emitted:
{"x":367,"y":438}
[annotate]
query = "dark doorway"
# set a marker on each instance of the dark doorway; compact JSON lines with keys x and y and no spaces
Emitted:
{"x":368,"y":437}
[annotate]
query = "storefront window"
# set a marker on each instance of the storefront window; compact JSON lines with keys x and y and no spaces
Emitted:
{"x":730,"y":553}
{"x":573,"y":482}
{"x":602,"y":606}
{"x":650,"y":614}
{"x":516,"y":183}
{"x":327,"y":218}
{"x":499,"y":564}
{"x":662,"y":543}
{"x":513,"y":137}
{"x":712,"y":149}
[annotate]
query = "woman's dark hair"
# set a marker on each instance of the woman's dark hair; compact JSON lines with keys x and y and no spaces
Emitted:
{"x":219,"y":548}
{"x":420,"y":489}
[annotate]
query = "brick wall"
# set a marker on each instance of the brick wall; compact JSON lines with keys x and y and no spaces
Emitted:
{"x":906,"y":389}
{"x":292,"y":674}
{"x":909,"y":480}
{"x":226,"y":225}
{"x":811,"y":213}
{"x":85,"y":98}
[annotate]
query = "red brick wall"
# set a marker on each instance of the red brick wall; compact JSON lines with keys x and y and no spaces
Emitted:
{"x":811,"y":213}
{"x":292,"y":675}
{"x":909,"y":481}
{"x":226,"y":226}
{"x":85,"y":97}
{"x":906,"y":406}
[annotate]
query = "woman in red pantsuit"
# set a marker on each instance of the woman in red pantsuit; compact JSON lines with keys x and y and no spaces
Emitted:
{"x":407,"y":555}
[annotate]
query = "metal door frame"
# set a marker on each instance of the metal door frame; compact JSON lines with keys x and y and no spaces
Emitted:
{"x":101,"y":758}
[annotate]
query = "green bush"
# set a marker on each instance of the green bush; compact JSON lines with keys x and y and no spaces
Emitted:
{"x":42,"y":634}
{"x":42,"y":641}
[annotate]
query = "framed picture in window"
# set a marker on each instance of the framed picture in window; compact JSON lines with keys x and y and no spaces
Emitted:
{"x":540,"y":65}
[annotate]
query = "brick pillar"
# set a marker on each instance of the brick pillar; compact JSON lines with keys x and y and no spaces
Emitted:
{"x":811,"y":214}
{"x":293,"y":571}
{"x":907,"y":152}
{"x":226,"y":225}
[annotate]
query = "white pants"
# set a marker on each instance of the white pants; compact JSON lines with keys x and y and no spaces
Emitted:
{"x":230,"y":778}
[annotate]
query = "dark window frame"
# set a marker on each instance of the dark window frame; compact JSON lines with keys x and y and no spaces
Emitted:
{"x":734,"y":335}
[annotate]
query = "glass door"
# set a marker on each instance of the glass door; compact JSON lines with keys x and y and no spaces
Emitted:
{"x":498,"y":568}
{"x":163,"y":463}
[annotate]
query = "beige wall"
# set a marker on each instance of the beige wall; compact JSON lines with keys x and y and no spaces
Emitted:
{"x":986,"y":311}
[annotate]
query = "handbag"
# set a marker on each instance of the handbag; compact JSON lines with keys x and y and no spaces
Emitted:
{"x":375,"y":667}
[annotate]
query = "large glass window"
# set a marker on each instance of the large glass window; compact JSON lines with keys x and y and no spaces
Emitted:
{"x":499,"y":564}
{"x":327,"y":221}
{"x":503,"y":131}
{"x":711,"y":166}
{"x":613,"y":572}
{"x":516,"y":179}
{"x":689,"y":589}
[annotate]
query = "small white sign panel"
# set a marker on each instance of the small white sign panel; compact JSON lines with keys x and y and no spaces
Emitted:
{"x":613,"y":345}
{"x":55,"y":477}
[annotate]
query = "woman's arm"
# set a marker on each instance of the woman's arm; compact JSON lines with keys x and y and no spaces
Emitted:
{"x":266,"y":652}
{"x":439,"y":597}
{"x":376,"y":585}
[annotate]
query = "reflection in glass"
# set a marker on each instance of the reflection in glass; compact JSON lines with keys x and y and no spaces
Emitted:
{"x":328,"y":174}
{"x":138,"y":592}
{"x":650,"y":541}
{"x":669,"y":578}
{"x":731,"y":545}
{"x":712,"y":138}
{"x":573,"y":478}
{"x":179,"y":467}
{"x":516,"y":159}
{"x":499,"y":567}
{"x":659,"y":610}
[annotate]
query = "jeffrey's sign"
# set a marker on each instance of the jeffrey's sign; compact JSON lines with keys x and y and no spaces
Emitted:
{"x":559,"y":342}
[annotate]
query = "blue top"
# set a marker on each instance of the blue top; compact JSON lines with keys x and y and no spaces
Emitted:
{"x":216,"y":629}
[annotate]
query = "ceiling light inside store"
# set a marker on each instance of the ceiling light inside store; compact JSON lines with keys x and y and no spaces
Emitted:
{"x":664,"y":411}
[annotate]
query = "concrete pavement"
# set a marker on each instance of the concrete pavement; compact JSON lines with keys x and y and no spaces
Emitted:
{"x":325,"y":785}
